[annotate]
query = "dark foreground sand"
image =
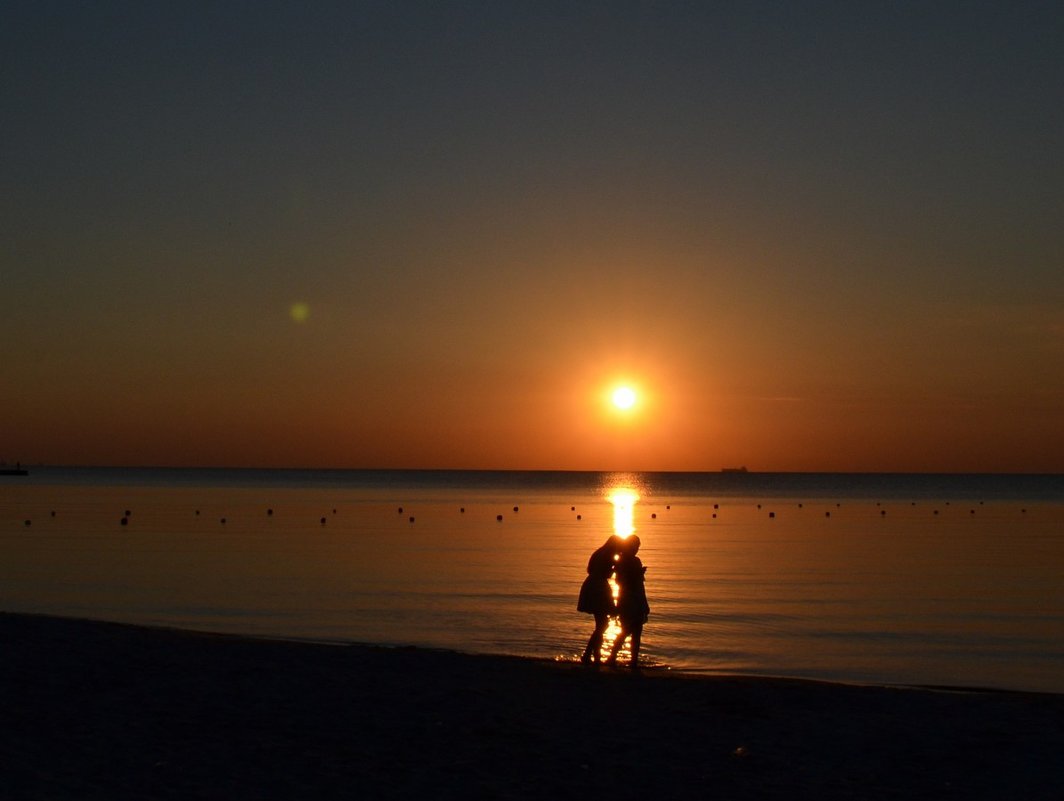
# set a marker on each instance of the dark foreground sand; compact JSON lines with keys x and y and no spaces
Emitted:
{"x":97,"y":710}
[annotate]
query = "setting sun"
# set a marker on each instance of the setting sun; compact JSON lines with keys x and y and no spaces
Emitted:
{"x":624,"y":397}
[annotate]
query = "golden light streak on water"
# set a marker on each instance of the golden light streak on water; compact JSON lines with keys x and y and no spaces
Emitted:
{"x":624,"y":500}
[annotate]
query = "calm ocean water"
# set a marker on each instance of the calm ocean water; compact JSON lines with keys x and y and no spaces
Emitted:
{"x":908,"y":579}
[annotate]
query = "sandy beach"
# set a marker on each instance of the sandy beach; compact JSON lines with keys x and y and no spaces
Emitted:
{"x":101,"y":710}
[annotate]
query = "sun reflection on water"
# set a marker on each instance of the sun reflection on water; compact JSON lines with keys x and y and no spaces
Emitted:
{"x":623,"y":500}
{"x":623,"y":497}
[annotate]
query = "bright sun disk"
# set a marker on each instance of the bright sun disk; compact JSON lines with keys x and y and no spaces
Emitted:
{"x":624,"y":397}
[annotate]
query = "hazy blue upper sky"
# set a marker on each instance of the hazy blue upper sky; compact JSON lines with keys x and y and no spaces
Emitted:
{"x":815,"y":235}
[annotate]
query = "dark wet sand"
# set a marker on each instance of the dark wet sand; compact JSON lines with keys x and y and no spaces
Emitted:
{"x":105,"y":711}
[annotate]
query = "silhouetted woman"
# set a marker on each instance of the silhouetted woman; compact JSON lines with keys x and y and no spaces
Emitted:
{"x":596,"y":595}
{"x":632,"y":606}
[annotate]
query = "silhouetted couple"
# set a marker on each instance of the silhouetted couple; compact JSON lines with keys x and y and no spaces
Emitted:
{"x":617,"y":558}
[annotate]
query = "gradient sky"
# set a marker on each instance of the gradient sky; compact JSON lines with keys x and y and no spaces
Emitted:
{"x":815,"y":236}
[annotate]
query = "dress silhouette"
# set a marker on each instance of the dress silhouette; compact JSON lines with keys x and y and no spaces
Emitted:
{"x":632,"y":606}
{"x":596,"y":595}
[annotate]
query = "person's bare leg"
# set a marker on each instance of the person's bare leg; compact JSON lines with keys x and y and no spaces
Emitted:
{"x":618,"y":644}
{"x":637,"y":637}
{"x":593,"y":652}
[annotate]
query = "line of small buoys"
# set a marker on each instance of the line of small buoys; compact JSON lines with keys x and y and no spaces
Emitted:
{"x":125,"y":519}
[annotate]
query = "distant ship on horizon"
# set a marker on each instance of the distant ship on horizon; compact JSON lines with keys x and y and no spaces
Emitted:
{"x":734,"y":469}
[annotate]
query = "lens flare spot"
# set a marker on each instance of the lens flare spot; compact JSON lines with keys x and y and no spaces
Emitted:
{"x":299,"y":312}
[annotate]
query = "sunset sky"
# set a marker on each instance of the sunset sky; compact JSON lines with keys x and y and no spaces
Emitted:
{"x":810,"y":236}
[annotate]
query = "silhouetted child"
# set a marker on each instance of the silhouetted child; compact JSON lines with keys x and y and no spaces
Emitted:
{"x":632,"y":606}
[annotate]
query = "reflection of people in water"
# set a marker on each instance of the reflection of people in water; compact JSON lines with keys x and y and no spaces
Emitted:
{"x":596,"y":595}
{"x":632,"y":606}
